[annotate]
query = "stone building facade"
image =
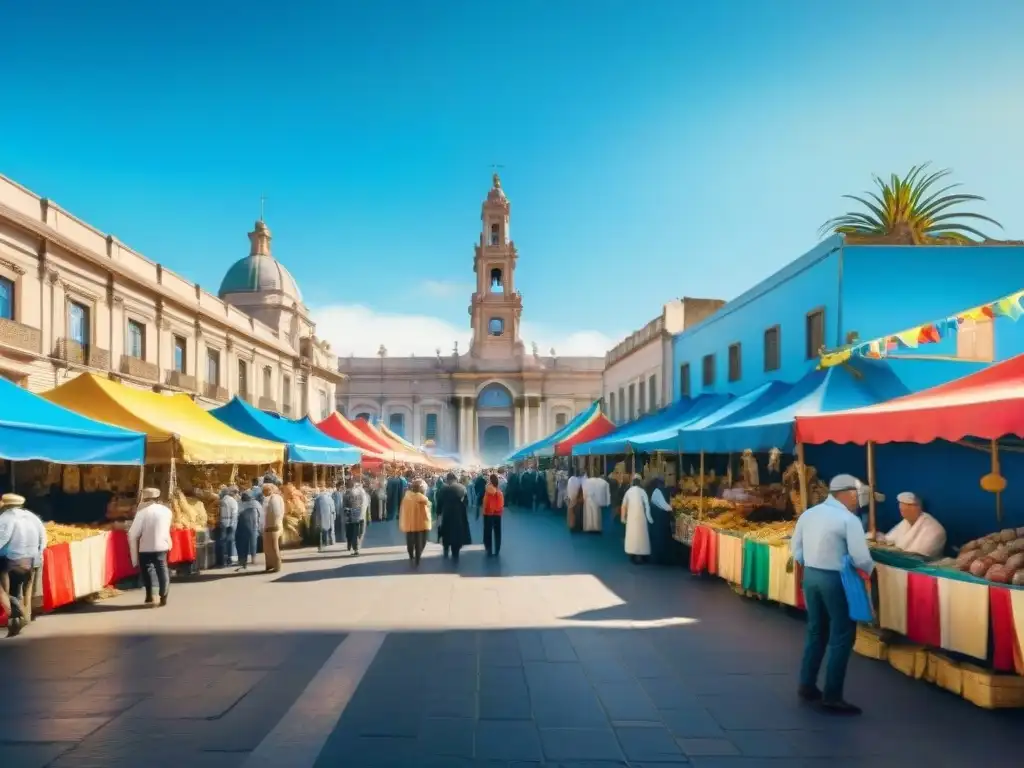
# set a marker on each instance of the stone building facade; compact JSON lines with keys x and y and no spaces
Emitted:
{"x":496,"y":397}
{"x":73,"y":299}
{"x":638,"y":370}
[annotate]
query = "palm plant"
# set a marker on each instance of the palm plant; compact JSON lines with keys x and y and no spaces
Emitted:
{"x":909,"y":210}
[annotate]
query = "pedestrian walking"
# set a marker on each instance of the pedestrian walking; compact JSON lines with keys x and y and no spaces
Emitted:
{"x":453,"y":515}
{"x":22,"y":541}
{"x":662,"y":529}
{"x":636,"y":514}
{"x":324,"y":514}
{"x":825,"y":534}
{"x":273,"y":519}
{"x":479,"y":489}
{"x":247,"y":532}
{"x":494,"y":506}
{"x":414,"y":519}
{"x":226,"y":526}
{"x":149,"y":542}
{"x":354,"y":508}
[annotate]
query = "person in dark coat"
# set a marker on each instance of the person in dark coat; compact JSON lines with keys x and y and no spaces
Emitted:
{"x":512,"y":489}
{"x":248,"y":530}
{"x":526,"y":483}
{"x":394,"y":491}
{"x":663,"y":545}
{"x":479,"y":487}
{"x":450,"y":504}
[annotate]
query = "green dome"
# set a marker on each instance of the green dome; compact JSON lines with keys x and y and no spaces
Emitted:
{"x":259,"y":272}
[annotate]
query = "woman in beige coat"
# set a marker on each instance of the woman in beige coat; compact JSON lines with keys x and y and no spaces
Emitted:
{"x":273,"y":520}
{"x":414,"y":520}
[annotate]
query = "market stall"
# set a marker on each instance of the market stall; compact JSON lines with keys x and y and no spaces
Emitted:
{"x":598,"y":425}
{"x":545,"y":446}
{"x":391,"y":449}
{"x":343,"y":430}
{"x":396,"y":439}
{"x":970,"y":605}
{"x":39,"y":436}
{"x":616,"y":442}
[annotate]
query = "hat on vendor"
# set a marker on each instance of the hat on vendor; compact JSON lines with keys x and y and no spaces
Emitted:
{"x":149,"y":494}
{"x":11,"y":500}
{"x":909,"y":497}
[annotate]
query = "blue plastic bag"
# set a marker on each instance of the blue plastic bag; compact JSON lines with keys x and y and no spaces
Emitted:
{"x":857,"y":596}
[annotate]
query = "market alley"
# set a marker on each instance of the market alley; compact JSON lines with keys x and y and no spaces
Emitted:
{"x":559,"y":652}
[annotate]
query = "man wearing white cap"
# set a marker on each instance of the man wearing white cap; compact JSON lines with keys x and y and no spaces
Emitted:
{"x":149,"y":540}
{"x":22,"y":541}
{"x":824,"y":535}
{"x":918,"y":532}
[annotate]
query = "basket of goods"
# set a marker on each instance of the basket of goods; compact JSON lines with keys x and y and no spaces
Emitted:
{"x":296,"y":514}
{"x":685,"y":525}
{"x":188,"y":513}
{"x":56,"y":533}
{"x":998,"y":557}
{"x":817,"y":489}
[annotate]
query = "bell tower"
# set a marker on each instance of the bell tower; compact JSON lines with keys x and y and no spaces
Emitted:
{"x":496,"y":304}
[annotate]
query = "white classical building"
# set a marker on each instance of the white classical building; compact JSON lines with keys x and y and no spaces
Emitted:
{"x":497,"y":396}
{"x":74,"y":299}
{"x":637,"y":377}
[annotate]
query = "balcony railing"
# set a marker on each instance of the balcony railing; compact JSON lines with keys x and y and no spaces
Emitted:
{"x":268,"y":404}
{"x":181,"y":381}
{"x":215,"y":392}
{"x":133,"y":366}
{"x":70,"y":351}
{"x":21,"y":336}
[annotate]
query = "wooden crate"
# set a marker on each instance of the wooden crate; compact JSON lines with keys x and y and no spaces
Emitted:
{"x":910,"y":659}
{"x":992,"y":690}
{"x":869,"y":643}
{"x":944,"y":672}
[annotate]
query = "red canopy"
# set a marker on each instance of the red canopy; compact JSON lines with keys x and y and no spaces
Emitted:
{"x":340,"y":428}
{"x":988,"y":404}
{"x":391,"y":450}
{"x":599,"y":426}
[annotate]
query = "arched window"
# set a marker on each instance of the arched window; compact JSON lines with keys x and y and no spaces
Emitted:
{"x":495,"y":234}
{"x":430,"y":427}
{"x":560,"y":420}
{"x":494,"y":396}
{"x":496,"y":326}
{"x":396,"y":422}
{"x":497,"y":286}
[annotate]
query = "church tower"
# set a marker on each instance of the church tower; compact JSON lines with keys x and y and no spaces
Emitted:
{"x":496,"y":305}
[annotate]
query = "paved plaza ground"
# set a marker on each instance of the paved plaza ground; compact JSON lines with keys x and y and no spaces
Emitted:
{"x":558,"y":653}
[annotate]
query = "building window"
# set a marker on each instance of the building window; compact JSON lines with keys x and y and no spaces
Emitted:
{"x":684,"y":380}
{"x":652,"y":394}
{"x":772,"y":357}
{"x":325,"y":404}
{"x":622,"y":404}
{"x":735,"y":362}
{"x":708,"y":378}
{"x":268,"y":381}
{"x":213,"y":367}
{"x":180,"y":354}
{"x":560,"y":420}
{"x":6,"y":299}
{"x":611,"y":407}
{"x":496,"y":285}
{"x":286,"y":395}
{"x":643,"y":397}
{"x":815,"y":333}
{"x":975,"y":340}
{"x":430,"y":427}
{"x":632,"y":402}
{"x":136,"y":340}
{"x":495,"y":234}
{"x":396,"y":422}
{"x":496,"y":326}
{"x":243,"y":378}
{"x":79,"y":325}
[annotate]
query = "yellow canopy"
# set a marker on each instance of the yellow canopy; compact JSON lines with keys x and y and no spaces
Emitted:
{"x":174,"y":425}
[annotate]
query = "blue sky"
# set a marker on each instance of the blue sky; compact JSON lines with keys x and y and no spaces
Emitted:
{"x":650,"y":149}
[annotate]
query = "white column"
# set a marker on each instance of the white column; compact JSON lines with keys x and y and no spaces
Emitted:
{"x":527,"y":416}
{"x":474,"y":421}
{"x":415,"y":435}
{"x":517,"y":424}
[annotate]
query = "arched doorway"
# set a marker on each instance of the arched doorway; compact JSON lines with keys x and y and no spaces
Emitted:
{"x":496,"y":444}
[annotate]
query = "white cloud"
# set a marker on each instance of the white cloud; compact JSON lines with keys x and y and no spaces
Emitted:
{"x":356,"y":330}
{"x":444,"y":289}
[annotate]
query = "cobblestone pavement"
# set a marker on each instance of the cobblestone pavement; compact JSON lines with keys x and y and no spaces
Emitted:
{"x":560,"y":652}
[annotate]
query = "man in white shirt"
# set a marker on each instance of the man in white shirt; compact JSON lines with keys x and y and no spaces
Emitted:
{"x":149,"y":540}
{"x":918,"y":532}
{"x":597,"y":495}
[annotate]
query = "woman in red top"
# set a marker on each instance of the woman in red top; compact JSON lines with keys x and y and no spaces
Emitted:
{"x":494,"y":505}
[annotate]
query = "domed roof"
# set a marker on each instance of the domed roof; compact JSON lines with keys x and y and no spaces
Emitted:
{"x":259,"y":272}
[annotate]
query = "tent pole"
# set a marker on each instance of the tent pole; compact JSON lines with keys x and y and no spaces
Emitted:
{"x":871,"y":487}
{"x":802,"y":474}
{"x":700,"y":489}
{"x":995,"y":471}
{"x":12,"y":475}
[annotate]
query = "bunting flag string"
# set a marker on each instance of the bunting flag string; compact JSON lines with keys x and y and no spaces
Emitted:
{"x":927,"y":333}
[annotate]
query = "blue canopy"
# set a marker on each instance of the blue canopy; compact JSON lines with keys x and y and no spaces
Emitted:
{"x":33,"y":428}
{"x":855,"y":384}
{"x":618,"y":441}
{"x":666,"y":437}
{"x":306,"y":444}
{"x":548,"y":443}
{"x":755,"y":402}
